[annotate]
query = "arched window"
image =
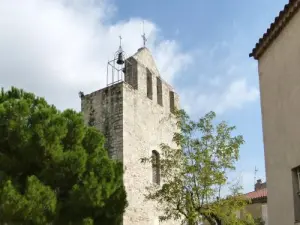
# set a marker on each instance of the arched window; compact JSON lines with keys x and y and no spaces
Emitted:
{"x":155,"y":167}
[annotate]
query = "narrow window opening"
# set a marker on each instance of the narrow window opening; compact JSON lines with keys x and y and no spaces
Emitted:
{"x":172,"y":102}
{"x":131,"y":73}
{"x":159,"y":91}
{"x":296,"y":188}
{"x":155,"y":167}
{"x":149,"y":84}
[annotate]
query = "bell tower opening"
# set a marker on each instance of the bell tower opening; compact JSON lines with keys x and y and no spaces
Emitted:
{"x":149,"y":84}
{"x":172,"y":101}
{"x":118,"y":67}
{"x":159,"y":91}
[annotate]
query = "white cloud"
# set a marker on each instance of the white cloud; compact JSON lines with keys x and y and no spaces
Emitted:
{"x":234,"y":96}
{"x":224,"y":83}
{"x":57,"y":47}
{"x":168,"y":59}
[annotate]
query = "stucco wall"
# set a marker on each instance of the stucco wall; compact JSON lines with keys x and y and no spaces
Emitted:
{"x":254,"y":209}
{"x":264,"y":216}
{"x":279,"y":74}
{"x":135,"y":125}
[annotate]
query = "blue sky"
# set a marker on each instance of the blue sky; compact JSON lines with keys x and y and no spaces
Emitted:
{"x":57,"y":47}
{"x":203,"y":24}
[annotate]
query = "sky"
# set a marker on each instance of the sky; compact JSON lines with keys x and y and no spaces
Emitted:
{"x":56,"y":48}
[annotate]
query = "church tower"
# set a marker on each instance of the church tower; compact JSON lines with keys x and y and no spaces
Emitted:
{"x":135,"y":113}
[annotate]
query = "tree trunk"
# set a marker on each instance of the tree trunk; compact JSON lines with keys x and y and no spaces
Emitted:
{"x":217,"y":220}
{"x":213,"y":220}
{"x":191,"y":222}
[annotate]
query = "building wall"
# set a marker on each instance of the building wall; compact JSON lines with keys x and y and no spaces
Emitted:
{"x":279,"y":74}
{"x":254,"y":209}
{"x":105,"y":107}
{"x":259,"y":185}
{"x":136,"y":126}
{"x":264,"y":216}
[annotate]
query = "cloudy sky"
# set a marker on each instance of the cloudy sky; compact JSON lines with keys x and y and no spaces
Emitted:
{"x":57,"y":47}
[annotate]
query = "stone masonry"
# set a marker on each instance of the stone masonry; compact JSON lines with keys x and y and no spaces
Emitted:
{"x":136,"y":117}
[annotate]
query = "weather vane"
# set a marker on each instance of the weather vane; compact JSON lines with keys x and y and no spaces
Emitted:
{"x":144,"y":35}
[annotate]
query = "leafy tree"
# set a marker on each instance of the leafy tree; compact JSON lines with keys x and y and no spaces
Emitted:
{"x":259,"y":221}
{"x":53,"y":168}
{"x":194,"y":173}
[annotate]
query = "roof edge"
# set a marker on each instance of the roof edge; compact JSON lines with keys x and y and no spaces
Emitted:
{"x":280,"y":22}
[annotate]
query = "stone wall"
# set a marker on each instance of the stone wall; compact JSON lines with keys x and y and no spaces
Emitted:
{"x":147,"y":124}
{"x":135,"y":125}
{"x":104,"y":110}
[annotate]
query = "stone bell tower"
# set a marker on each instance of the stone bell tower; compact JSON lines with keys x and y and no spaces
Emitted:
{"x":134,"y":112}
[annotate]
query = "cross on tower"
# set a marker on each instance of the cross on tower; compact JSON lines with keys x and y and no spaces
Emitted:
{"x":144,"y":40}
{"x":120,"y":37}
{"x":144,"y":36}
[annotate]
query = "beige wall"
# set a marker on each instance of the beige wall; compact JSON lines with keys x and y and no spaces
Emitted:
{"x":264,"y":212}
{"x":136,"y":126}
{"x":254,"y":209}
{"x":279,"y":74}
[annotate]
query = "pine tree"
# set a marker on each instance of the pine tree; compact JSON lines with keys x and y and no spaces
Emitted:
{"x":53,"y":168}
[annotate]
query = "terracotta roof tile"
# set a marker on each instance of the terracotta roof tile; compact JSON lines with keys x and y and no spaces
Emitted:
{"x":290,"y":9}
{"x":262,"y":193}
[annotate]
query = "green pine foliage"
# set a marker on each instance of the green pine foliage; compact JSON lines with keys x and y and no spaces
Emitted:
{"x":53,"y":168}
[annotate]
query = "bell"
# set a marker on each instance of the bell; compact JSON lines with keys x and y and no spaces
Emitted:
{"x":120,"y":59}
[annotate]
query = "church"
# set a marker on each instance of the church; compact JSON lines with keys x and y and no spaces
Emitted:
{"x":135,"y":113}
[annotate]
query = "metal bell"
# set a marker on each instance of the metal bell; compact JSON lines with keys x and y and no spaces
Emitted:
{"x":120,"y":59}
